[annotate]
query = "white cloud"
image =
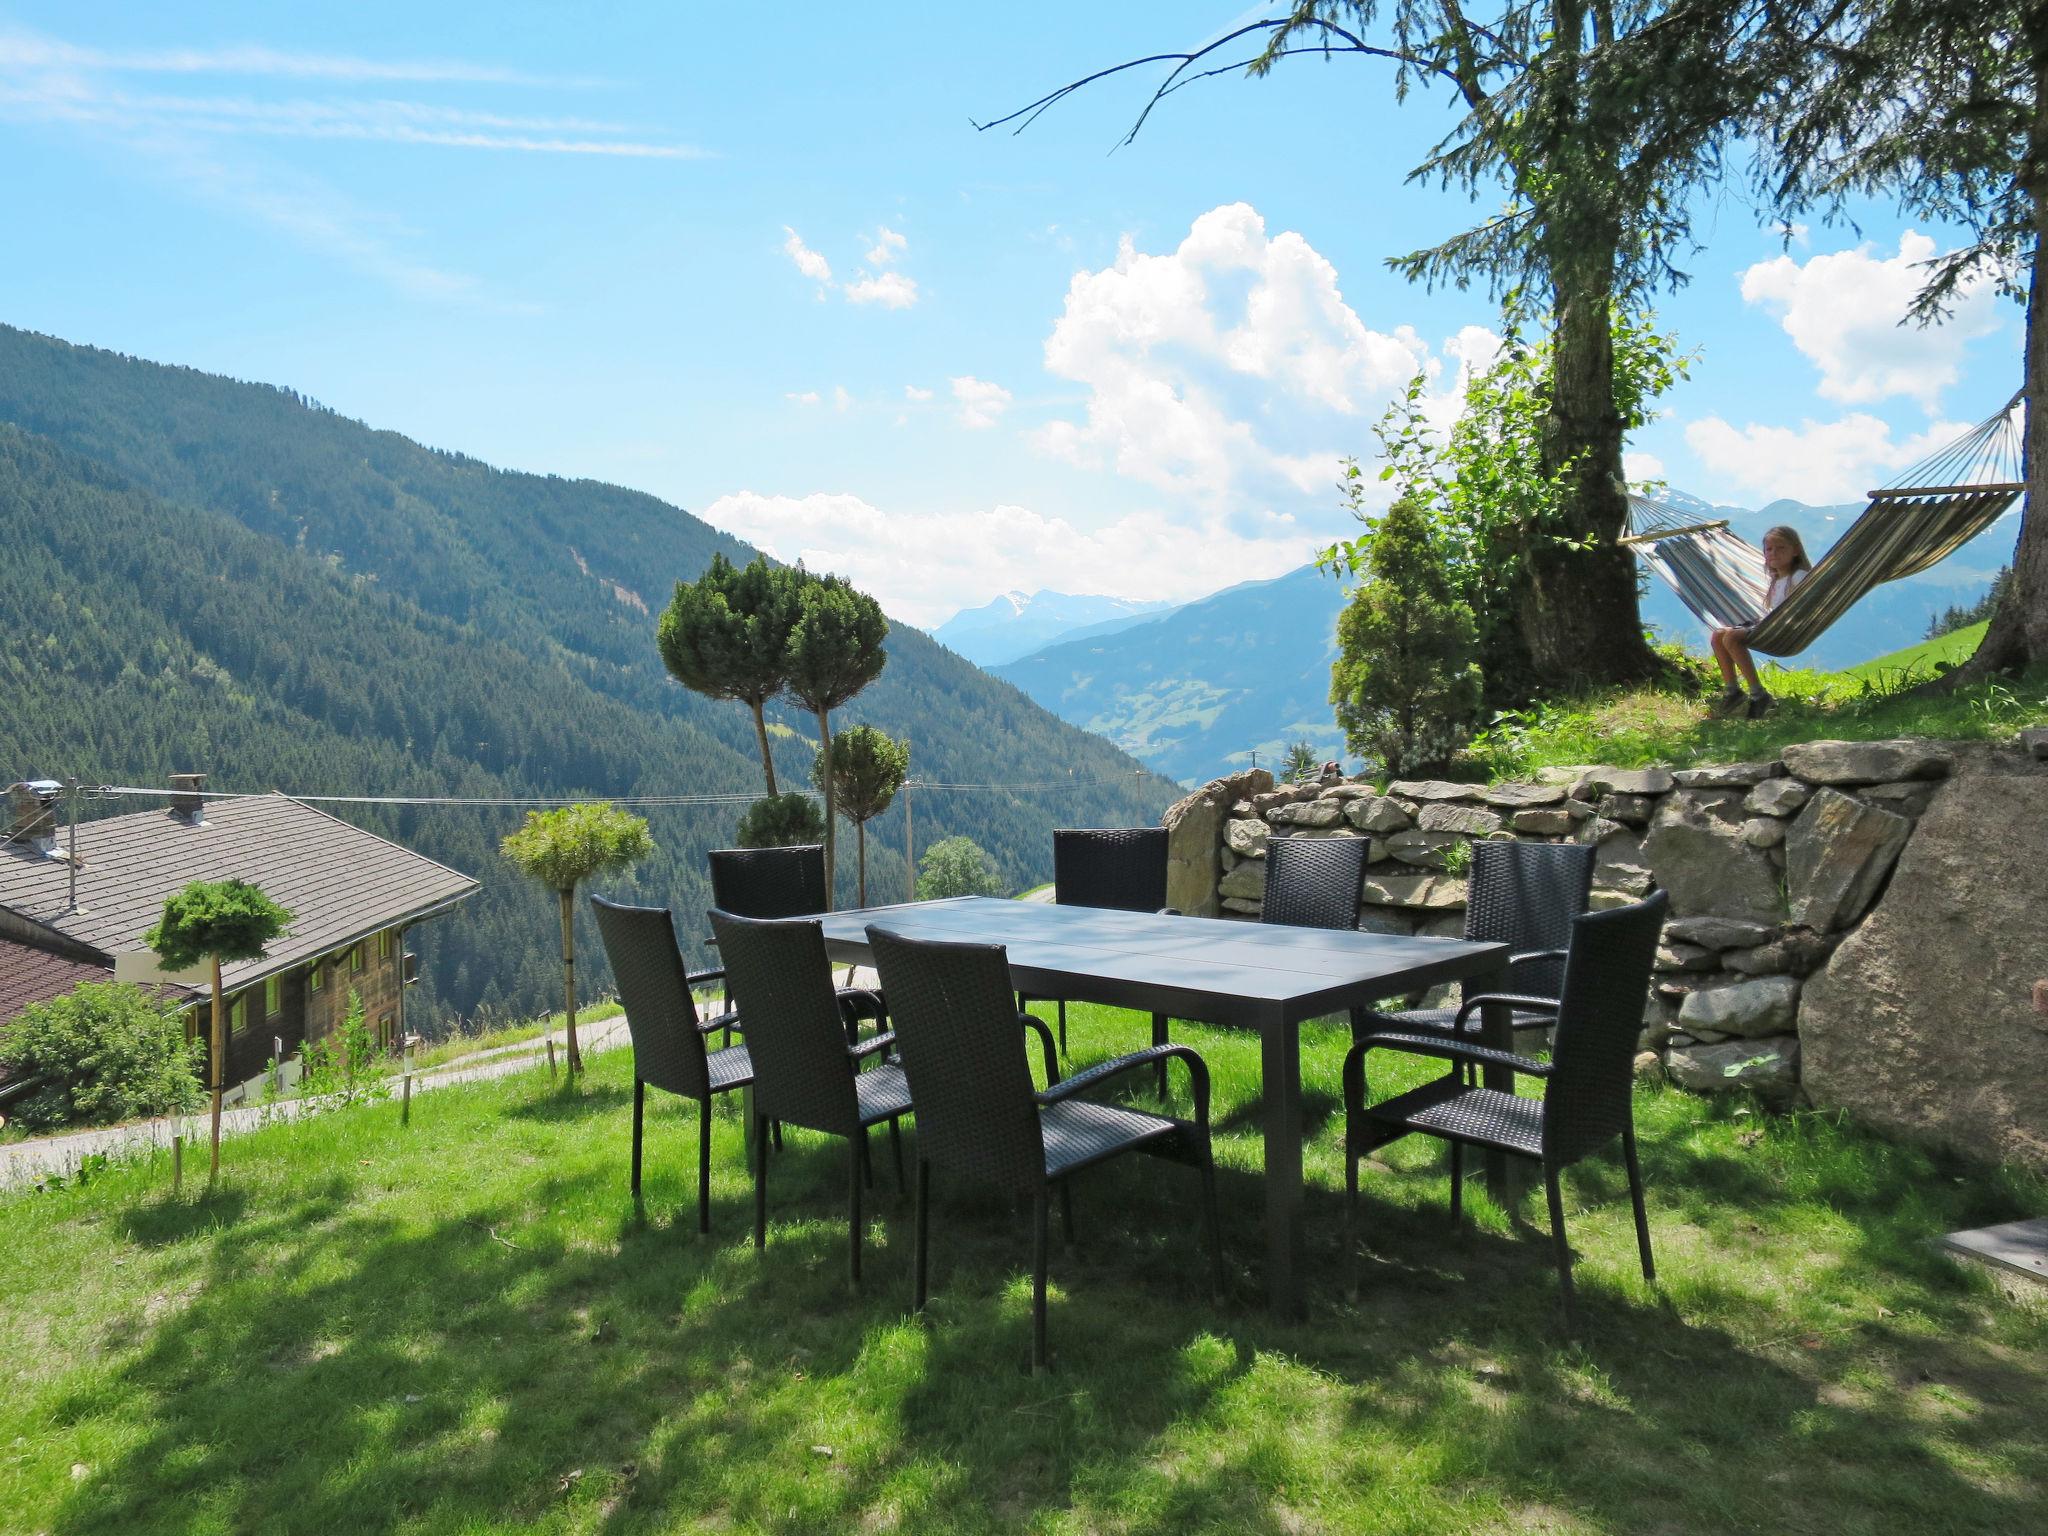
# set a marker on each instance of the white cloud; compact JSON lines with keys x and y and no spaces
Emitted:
{"x":891,"y":290}
{"x":33,"y":51}
{"x":808,"y":261}
{"x":1230,"y":366}
{"x":840,"y":398}
{"x":912,"y":392}
{"x":980,"y":401}
{"x":805,"y":397}
{"x":1821,"y":462}
{"x":1637,"y":468}
{"x":925,"y":566}
{"x":1842,"y":311}
{"x":889,"y":244}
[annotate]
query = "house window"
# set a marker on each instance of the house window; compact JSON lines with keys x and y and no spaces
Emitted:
{"x":316,"y":978}
{"x":273,"y":997}
{"x":238,"y":1015}
{"x":355,"y":958}
{"x":386,"y":942}
{"x":387,"y":1031}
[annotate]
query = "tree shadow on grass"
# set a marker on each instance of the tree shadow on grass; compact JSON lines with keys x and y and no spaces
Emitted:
{"x":331,"y":1362}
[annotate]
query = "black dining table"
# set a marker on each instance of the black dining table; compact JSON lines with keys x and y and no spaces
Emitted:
{"x":1263,"y":977}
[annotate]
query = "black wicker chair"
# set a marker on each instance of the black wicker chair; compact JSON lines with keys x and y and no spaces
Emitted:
{"x":785,"y":882}
{"x":1312,"y":882}
{"x":1526,"y":896}
{"x":1588,"y":1097}
{"x":1122,"y":868}
{"x":668,"y":1037}
{"x":806,"y":1070}
{"x":963,"y":1050}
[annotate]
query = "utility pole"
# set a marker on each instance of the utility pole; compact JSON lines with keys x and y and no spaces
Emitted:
{"x":71,"y":807}
{"x":909,"y":843}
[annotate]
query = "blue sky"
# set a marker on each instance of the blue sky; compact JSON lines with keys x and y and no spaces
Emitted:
{"x":771,"y":273}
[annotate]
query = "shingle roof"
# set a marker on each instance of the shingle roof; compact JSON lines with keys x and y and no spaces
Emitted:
{"x":29,"y":975}
{"x":340,"y":882}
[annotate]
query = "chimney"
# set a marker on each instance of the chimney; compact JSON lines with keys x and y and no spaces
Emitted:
{"x":186,"y":804}
{"x":32,"y":815}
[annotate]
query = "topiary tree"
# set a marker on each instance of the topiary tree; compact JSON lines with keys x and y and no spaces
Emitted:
{"x":216,"y":921}
{"x":956,"y":866}
{"x":781,"y":821}
{"x":103,"y":1052}
{"x":1405,"y":683}
{"x":726,"y":636}
{"x":835,"y":650}
{"x":868,"y":767}
{"x":561,"y":849}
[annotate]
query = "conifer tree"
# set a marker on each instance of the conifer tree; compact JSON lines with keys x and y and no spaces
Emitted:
{"x":1405,"y":683}
{"x":835,"y":650}
{"x":868,"y":767}
{"x":726,"y":636}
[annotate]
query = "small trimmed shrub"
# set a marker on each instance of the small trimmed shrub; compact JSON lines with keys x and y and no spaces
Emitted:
{"x":781,"y":821}
{"x":106,"y":1051}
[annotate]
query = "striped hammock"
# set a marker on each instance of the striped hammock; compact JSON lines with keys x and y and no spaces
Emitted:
{"x":1926,"y":515}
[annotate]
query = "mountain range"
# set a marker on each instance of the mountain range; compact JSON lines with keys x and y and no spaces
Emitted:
{"x":1017,"y":623}
{"x":206,"y":575}
{"x":1210,"y":686}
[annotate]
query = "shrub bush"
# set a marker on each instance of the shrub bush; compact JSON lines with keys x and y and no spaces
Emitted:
{"x":106,"y":1051}
{"x":781,"y":821}
{"x":347,"y":1062}
{"x":956,"y":866}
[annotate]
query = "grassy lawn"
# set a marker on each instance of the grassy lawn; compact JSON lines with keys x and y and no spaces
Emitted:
{"x":465,"y":1326}
{"x":1636,"y":727}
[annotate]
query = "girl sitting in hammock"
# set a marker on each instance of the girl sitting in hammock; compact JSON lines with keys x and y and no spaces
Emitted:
{"x":1785,"y":558}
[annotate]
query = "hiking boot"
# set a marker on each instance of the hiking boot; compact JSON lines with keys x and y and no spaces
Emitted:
{"x":1728,"y":703}
{"x":1760,"y":705}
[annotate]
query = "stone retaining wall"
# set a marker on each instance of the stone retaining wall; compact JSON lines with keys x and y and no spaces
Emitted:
{"x":1770,"y":866}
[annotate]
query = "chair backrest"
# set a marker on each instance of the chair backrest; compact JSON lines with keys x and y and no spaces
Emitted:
{"x":1526,"y":896}
{"x":1312,"y":882}
{"x":769,"y":882}
{"x":779,"y":979}
{"x":965,"y":1054}
{"x":661,"y":1016}
{"x":1121,"y":867}
{"x":1600,"y":1017}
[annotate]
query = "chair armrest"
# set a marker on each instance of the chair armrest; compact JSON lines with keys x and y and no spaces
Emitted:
{"x":1052,"y":1059}
{"x":1524,"y":1001}
{"x":698,"y":978}
{"x":1169,"y":912}
{"x":872,"y":1044}
{"x":730,"y":1019}
{"x":1522,"y":956}
{"x":862,"y":997}
{"x":1198,"y":1074}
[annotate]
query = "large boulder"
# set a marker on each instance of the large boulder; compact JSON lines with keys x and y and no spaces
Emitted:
{"x":1307,"y":813}
{"x":1778,"y":797}
{"x":1247,"y":836}
{"x":1378,"y":814}
{"x":1717,"y":932}
{"x":1867,"y":762}
{"x":1728,"y":776}
{"x":1922,"y":1023}
{"x":1438,"y":893}
{"x":1837,"y":856}
{"x":1522,"y":797}
{"x":1436,"y":789}
{"x":1247,"y":882}
{"x":1696,"y":850}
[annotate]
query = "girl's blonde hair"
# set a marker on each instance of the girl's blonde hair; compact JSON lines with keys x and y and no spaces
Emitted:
{"x":1791,"y":537}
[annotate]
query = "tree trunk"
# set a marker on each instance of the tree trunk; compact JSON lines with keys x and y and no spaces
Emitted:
{"x":2018,"y":634}
{"x":569,"y":978}
{"x":831,"y":827}
{"x":219,"y":1030}
{"x":860,"y":840}
{"x":761,"y":735}
{"x":1579,"y":609}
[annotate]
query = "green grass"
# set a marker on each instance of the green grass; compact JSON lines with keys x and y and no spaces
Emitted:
{"x":1953,"y":648}
{"x":449,"y":1048}
{"x":465,"y":1326}
{"x":1637,"y":727}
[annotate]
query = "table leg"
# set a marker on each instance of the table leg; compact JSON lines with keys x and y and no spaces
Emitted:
{"x":1496,"y":1032}
{"x":1280,"y":1053}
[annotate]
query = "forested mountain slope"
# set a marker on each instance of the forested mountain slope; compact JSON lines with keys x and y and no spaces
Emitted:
{"x":203,"y":574}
